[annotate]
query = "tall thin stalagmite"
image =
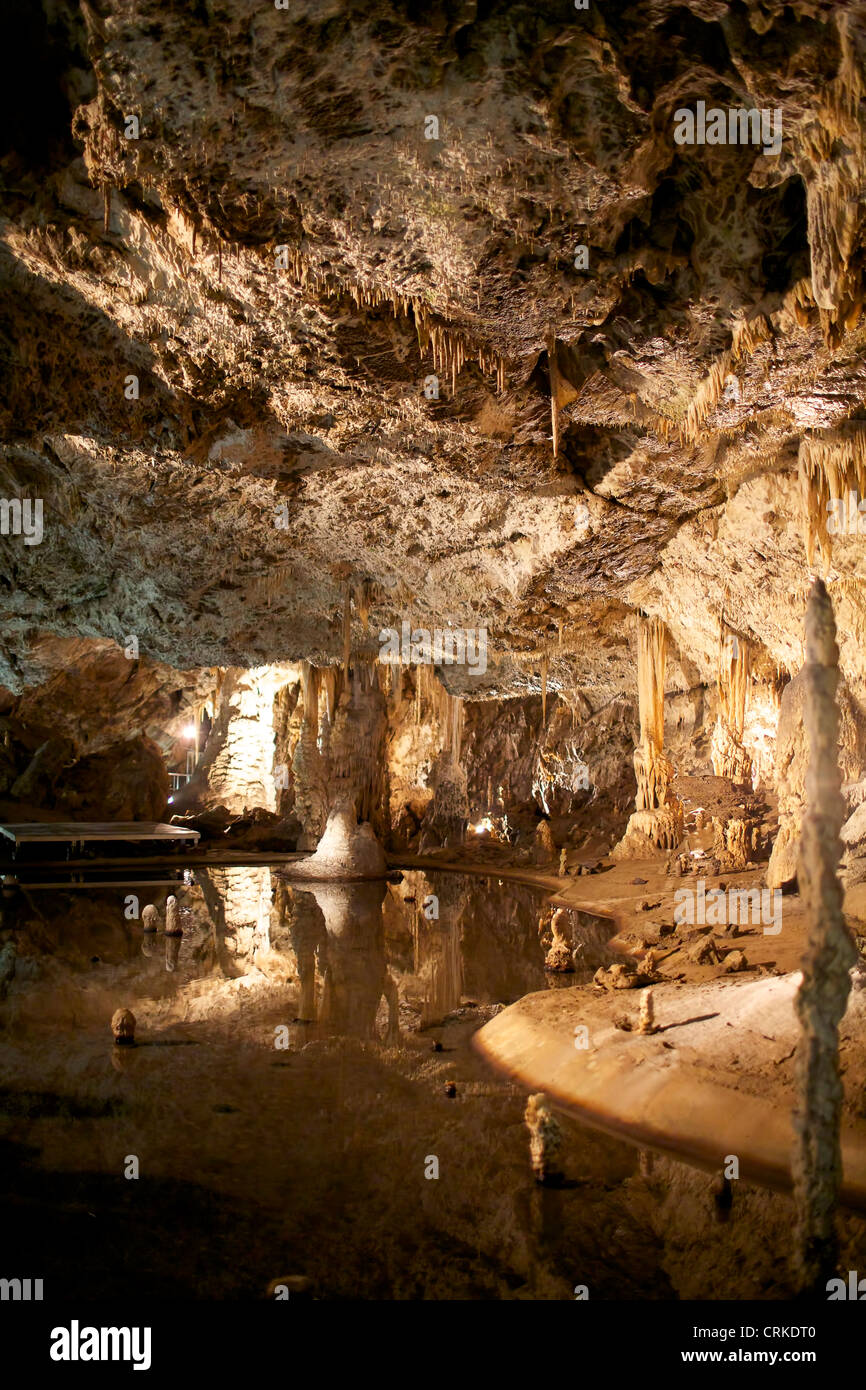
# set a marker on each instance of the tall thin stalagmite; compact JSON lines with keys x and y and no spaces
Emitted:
{"x":651,"y":767}
{"x":830,"y":953}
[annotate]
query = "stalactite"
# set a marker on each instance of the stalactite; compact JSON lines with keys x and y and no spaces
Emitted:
{"x":823,"y":994}
{"x":830,"y":465}
{"x":311,"y":777}
{"x":418,"y":680}
{"x":450,"y":347}
{"x":545,"y":662}
{"x":554,"y":390}
{"x":658,"y":815}
{"x":734,"y":667}
{"x":707,"y":396}
{"x":835,"y":220}
{"x":365,"y":594}
{"x":347,"y":632}
{"x":651,"y":770}
{"x":269,"y":585}
{"x":749,"y":334}
{"x":330,"y":678}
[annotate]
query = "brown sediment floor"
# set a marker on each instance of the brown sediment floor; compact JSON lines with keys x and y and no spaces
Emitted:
{"x":717,"y":1078}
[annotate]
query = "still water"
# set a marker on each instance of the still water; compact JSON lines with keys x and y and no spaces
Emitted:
{"x":303,"y":1054}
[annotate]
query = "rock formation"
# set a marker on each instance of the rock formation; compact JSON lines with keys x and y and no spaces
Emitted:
{"x":830,"y":954}
{"x":346,"y":850}
{"x":657,"y":822}
{"x":545,"y":1138}
{"x":123,"y":1027}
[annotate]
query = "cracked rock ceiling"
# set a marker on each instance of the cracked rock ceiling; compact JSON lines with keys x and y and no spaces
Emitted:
{"x":282,"y":445}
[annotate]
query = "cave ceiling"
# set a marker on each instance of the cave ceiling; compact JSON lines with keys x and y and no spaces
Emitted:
{"x":283,"y":260}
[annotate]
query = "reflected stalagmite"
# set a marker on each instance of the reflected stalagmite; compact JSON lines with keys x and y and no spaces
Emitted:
{"x":172,"y":950}
{"x":356,"y":974}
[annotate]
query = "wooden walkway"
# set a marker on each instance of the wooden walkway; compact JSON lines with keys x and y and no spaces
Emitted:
{"x":84,"y":832}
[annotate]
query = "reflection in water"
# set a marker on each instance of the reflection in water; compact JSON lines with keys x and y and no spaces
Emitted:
{"x":364,"y":960}
{"x":368,"y":957}
{"x":280,"y":1064}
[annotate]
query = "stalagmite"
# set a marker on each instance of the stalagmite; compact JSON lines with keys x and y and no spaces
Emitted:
{"x":646,"y":1023}
{"x":545,"y":1138}
{"x":172,"y":917}
{"x":559,"y":955}
{"x":123,"y":1027}
{"x":830,"y":954}
{"x":149,"y":918}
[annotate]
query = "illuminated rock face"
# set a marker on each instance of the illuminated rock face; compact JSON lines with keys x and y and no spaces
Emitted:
{"x":241,"y":774}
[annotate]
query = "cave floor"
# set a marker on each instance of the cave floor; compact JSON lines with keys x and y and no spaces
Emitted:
{"x":721,"y":1083}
